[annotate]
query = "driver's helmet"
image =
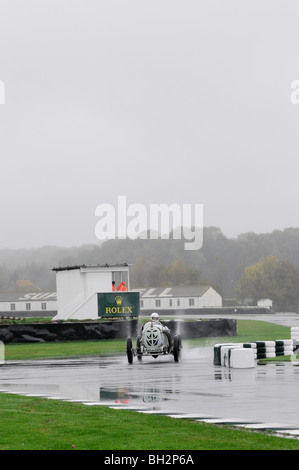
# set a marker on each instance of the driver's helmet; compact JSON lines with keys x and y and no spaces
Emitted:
{"x":154,"y":316}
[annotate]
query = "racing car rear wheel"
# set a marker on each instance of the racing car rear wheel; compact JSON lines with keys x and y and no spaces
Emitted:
{"x":129,"y":351}
{"x":177,"y":348}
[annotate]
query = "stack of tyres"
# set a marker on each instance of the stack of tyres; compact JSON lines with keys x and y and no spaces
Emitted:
{"x":265,"y":349}
{"x":252,"y":346}
{"x":283,"y":347}
{"x":261,"y":349}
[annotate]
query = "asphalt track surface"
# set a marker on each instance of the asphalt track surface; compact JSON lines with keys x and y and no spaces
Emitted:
{"x":264,"y":397}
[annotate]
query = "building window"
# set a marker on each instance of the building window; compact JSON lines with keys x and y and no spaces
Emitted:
{"x":170,"y":302}
{"x":12,"y":306}
{"x":158,"y":303}
{"x":44,"y":306}
{"x":191,"y":302}
{"x":141,"y":303}
{"x":28,"y":306}
{"x":178,"y":302}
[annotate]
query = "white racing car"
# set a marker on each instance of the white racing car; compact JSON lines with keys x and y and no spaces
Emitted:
{"x":155,"y":340}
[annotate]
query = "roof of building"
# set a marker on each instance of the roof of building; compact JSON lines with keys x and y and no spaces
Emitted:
{"x":188,"y":291}
{"x":27,"y":296}
{"x":80,"y":266}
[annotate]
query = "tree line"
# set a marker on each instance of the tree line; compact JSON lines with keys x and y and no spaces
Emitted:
{"x":240,"y":269}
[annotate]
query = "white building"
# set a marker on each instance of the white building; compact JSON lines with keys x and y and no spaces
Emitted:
{"x":179,"y":298}
{"x":17,"y":304}
{"x":77,"y":295}
{"x":265,"y":303}
{"x":78,"y":288}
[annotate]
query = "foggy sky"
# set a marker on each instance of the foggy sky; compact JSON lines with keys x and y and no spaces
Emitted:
{"x":163,"y":101}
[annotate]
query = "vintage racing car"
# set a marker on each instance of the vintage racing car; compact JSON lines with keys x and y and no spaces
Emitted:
{"x":154,"y":340}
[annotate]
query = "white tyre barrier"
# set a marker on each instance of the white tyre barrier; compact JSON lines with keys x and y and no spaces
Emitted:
{"x":225,"y":355}
{"x":252,"y":346}
{"x":217,"y":351}
{"x":287,"y":352}
{"x":241,"y":358}
{"x":224,"y":352}
{"x":295,"y":333}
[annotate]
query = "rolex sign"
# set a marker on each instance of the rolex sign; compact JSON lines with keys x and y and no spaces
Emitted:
{"x":118,"y":304}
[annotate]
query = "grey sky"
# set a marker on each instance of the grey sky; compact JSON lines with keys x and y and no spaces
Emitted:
{"x":164,"y":101}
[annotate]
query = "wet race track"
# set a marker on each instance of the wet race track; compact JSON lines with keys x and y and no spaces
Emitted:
{"x":263,"y":397}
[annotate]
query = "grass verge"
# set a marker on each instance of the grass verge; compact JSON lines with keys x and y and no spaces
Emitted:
{"x":22,"y":351}
{"x":40,"y":424}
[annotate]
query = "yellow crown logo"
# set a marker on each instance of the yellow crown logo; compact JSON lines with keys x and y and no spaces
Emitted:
{"x":118,"y":299}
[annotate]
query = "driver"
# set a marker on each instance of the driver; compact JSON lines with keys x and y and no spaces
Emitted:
{"x":166,"y":330}
{"x":154,"y":316}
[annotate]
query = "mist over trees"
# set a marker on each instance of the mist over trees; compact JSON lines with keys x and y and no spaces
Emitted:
{"x":272,"y":279}
{"x":245,"y":268}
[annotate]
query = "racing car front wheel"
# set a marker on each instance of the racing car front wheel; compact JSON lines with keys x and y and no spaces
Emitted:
{"x":177,"y":348}
{"x":129,"y":351}
{"x":138,"y":348}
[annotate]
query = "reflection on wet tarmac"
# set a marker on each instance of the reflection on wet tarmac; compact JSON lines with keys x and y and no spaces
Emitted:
{"x":124,"y":396}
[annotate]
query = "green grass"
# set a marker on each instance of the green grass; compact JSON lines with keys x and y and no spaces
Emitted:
{"x":20,"y":321}
{"x":40,"y":424}
{"x":249,"y":331}
{"x":21,"y":351}
{"x":255,"y":330}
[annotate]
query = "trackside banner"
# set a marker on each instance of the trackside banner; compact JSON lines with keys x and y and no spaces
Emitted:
{"x":118,"y":304}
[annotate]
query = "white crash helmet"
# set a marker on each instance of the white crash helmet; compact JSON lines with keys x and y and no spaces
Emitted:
{"x":154,"y":316}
